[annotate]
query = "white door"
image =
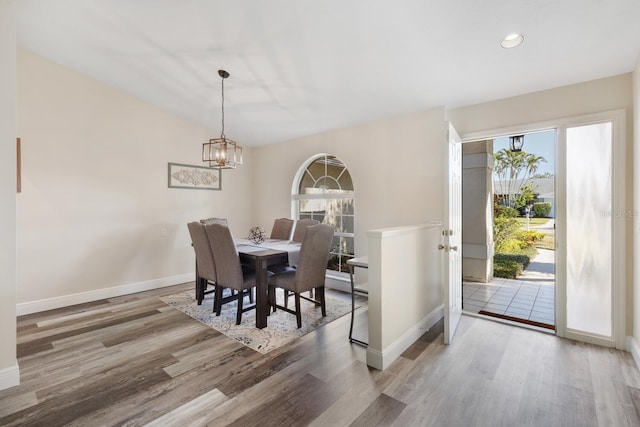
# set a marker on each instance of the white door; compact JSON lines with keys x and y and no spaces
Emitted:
{"x":452,"y":236}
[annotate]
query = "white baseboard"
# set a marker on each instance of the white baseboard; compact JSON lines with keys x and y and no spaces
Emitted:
{"x":10,"y":377}
{"x":98,"y":294}
{"x":382,"y":359}
{"x":634,"y":349}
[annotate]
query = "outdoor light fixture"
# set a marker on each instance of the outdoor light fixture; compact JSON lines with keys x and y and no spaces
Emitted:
{"x":516,"y":142}
{"x":222,"y":153}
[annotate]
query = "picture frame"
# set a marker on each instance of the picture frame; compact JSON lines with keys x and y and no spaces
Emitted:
{"x":193,"y":177}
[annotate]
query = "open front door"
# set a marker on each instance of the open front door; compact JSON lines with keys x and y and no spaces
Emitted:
{"x":452,"y":236}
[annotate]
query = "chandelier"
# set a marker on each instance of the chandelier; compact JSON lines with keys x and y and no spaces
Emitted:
{"x":222,"y":153}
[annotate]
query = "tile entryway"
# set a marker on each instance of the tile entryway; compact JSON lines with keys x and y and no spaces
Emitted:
{"x":530,"y":297}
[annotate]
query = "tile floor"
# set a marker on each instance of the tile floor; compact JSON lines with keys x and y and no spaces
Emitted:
{"x":517,"y":298}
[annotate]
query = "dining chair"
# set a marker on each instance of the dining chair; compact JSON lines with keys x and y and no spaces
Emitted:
{"x":205,"y":267}
{"x":209,"y":221}
{"x":229,"y":272}
{"x":281,"y":229}
{"x":301,"y":227}
{"x":309,"y":273}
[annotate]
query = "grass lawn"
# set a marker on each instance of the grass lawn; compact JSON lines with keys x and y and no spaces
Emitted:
{"x":532,"y":221}
{"x":549,"y":242}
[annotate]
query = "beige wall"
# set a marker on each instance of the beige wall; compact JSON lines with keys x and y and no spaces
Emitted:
{"x":397,"y":167}
{"x":583,"y":98}
{"x":95,"y":212}
{"x":9,"y":374}
{"x":635,"y":296}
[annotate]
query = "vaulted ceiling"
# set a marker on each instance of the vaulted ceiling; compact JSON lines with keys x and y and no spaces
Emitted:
{"x":301,"y":67}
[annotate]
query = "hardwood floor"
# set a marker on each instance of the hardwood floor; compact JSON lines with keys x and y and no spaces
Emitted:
{"x":133,"y":361}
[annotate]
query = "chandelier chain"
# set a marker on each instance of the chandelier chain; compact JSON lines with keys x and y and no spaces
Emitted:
{"x":222,"y":132}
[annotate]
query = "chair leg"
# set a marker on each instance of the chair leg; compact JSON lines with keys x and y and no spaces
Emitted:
{"x":217,"y":303}
{"x":239,"y":314}
{"x":199,"y":290}
{"x":271,"y":295}
{"x":320,"y":298}
{"x":298,"y":315}
{"x":286,"y":298}
{"x":251,"y":295}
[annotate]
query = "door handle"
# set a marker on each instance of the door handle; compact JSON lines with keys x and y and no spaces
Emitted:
{"x":441,"y":247}
{"x":454,"y":248}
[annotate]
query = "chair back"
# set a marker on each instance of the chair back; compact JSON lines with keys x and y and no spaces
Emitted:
{"x":209,"y":221}
{"x":282,"y":229}
{"x":301,"y":227}
{"x":204,"y":255}
{"x":314,"y":254}
{"x":225,"y":257}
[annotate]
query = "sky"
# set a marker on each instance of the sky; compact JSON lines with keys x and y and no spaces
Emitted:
{"x":540,"y":144}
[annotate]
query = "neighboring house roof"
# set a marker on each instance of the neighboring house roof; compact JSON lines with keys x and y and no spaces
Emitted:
{"x":540,"y":185}
{"x":550,"y":195}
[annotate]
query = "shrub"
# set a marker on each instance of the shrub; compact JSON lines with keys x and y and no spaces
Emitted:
{"x":509,"y":266}
{"x":504,"y":211}
{"x":504,"y":228}
{"x":529,"y":236}
{"x":542,"y":209}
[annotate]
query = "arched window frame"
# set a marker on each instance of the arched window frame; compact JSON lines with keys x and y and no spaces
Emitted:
{"x":344,"y":240}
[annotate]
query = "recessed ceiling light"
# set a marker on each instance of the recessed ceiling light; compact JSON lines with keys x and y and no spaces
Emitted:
{"x":512,"y":40}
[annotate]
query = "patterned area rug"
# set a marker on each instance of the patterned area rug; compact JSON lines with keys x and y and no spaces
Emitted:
{"x":281,"y":326}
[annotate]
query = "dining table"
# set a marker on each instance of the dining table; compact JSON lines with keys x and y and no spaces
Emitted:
{"x":261,"y":256}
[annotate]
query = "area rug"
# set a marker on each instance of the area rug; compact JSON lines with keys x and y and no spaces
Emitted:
{"x":281,"y":326}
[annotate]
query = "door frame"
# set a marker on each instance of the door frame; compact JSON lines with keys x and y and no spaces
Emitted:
{"x":619,"y":274}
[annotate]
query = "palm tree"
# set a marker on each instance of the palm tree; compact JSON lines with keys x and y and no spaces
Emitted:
{"x":513,"y":170}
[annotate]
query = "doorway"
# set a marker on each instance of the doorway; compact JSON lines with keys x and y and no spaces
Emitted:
{"x":512,"y":279}
{"x":590,"y":225}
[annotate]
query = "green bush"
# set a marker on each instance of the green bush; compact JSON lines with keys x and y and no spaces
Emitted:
{"x":542,"y":209}
{"x":529,"y":237}
{"x":504,"y":228}
{"x":504,"y":211}
{"x":509,"y":266}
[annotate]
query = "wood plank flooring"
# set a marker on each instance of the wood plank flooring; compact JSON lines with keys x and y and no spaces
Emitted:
{"x":134,"y":361}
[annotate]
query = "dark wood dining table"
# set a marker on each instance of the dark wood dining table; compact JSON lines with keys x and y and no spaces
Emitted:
{"x":261,"y":258}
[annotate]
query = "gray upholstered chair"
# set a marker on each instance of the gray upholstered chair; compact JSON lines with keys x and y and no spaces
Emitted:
{"x":281,"y":229}
{"x":309,"y":273}
{"x":209,"y":221}
{"x":229,"y":272}
{"x":301,"y":227}
{"x":205,"y":267}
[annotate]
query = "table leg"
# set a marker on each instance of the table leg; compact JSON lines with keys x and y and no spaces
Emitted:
{"x":262,"y":302}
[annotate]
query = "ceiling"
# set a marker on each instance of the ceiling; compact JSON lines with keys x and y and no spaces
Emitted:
{"x":300,"y":67}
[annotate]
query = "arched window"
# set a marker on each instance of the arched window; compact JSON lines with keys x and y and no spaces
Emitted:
{"x":323,"y":190}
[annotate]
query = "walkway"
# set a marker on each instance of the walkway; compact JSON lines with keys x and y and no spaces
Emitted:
{"x":530,"y":297}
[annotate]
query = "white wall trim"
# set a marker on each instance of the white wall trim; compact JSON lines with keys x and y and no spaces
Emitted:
{"x":382,"y":359}
{"x":634,"y":349}
{"x":116,"y":291}
{"x":10,"y":377}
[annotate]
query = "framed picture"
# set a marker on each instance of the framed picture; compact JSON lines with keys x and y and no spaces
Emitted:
{"x":194,"y":177}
